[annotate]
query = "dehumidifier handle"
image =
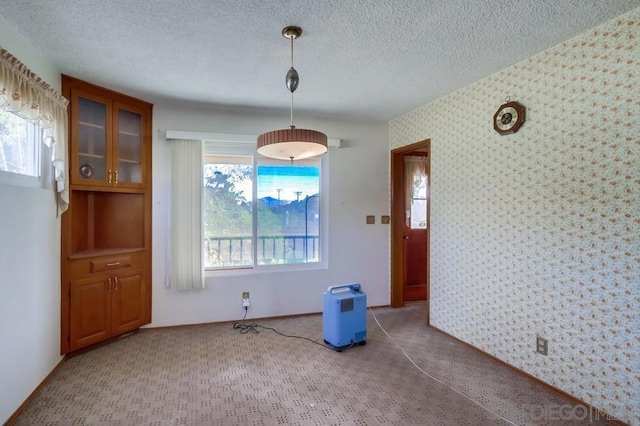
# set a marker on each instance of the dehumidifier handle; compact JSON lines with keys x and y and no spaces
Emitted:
{"x":353,"y":287}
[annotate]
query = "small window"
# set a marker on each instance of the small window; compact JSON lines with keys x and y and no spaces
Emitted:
{"x":19,"y":145}
{"x":419,"y":202}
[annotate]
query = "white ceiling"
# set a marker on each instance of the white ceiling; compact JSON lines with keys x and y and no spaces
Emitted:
{"x":373,"y":59}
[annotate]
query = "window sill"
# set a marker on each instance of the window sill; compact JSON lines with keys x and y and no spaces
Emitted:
{"x":266,"y":269}
{"x":16,"y":179}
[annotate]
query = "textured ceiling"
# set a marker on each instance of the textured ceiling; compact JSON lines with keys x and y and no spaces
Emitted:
{"x":371,"y":59}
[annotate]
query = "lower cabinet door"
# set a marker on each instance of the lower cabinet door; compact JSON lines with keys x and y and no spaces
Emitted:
{"x":90,"y":316}
{"x":128,"y":301}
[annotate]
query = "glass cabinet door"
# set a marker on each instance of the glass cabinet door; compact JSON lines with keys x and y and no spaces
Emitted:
{"x":91,"y":145}
{"x":129,"y":154}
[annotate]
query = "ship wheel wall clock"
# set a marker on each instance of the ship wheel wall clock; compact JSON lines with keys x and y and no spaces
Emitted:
{"x":508,"y":118}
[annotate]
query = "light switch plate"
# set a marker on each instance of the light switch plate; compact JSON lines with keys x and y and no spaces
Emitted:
{"x":385,"y":219}
{"x":371,"y":219}
{"x":542,"y":346}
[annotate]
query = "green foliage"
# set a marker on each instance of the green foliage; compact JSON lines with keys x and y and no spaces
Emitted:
{"x":226,"y":210}
{"x":13,"y":143}
{"x":228,"y":219}
{"x":269,"y":221}
{"x":228,"y":213}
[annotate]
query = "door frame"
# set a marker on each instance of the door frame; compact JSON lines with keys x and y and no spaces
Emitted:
{"x":397,"y":220}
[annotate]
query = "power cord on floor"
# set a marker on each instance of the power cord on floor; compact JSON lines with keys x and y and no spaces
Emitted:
{"x":246,"y":328}
{"x":430,"y":376}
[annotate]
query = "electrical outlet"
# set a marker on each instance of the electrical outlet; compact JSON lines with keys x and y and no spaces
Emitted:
{"x":245,"y":299}
{"x":245,"y":295}
{"x":542,"y":346}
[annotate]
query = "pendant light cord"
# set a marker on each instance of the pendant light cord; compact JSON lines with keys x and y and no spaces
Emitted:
{"x":291,"y":125}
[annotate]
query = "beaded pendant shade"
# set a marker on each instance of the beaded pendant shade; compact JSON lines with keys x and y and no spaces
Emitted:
{"x":292,"y":144}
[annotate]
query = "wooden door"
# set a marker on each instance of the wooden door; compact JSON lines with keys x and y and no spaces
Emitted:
{"x":90,"y":313}
{"x":129,"y":295}
{"x":415,"y":268}
{"x":415,"y":247}
{"x":409,"y":245}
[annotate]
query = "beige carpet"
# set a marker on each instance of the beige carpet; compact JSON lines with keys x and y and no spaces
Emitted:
{"x":214,"y":375}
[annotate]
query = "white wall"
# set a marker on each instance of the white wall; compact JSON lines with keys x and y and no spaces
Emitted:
{"x":358,"y":186}
{"x":29,"y":268}
{"x":537,"y":233}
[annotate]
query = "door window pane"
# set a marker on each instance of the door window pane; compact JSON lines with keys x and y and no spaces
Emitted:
{"x":419,"y":202}
{"x":419,"y":214}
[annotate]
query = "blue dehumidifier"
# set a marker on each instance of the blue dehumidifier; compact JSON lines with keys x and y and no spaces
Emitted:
{"x":344,"y":318}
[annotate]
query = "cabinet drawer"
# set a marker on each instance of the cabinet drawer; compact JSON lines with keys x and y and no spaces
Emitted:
{"x":84,"y":268}
{"x":100,"y":265}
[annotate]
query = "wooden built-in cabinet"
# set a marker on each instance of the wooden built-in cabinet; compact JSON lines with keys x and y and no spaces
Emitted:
{"x":106,"y":232}
{"x":106,"y":305}
{"x":106,"y":139}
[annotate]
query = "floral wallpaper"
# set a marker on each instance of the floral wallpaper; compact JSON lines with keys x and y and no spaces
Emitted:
{"x":537,"y":233}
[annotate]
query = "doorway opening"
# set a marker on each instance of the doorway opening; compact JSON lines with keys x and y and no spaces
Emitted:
{"x":410,"y":200}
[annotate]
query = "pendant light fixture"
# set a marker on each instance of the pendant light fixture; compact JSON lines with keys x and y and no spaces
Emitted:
{"x":292,"y":144}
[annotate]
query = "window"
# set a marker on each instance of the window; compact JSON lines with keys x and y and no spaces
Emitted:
{"x":228,"y":212}
{"x":419,"y":202}
{"x":19,"y":145}
{"x":281,"y":227}
{"x":25,"y":94}
{"x":416,"y":184}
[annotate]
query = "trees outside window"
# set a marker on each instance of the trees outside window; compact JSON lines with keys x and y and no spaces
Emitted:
{"x":281,"y":227}
{"x":19,"y":145}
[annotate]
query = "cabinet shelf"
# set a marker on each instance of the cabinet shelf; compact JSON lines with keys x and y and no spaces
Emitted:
{"x":106,"y":221}
{"x":122,"y":160}
{"x":94,"y":125}
{"x":86,"y":154}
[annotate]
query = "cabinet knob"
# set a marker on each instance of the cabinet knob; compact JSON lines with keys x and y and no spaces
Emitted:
{"x":109,"y":176}
{"x":116,"y":180}
{"x":116,"y":281}
{"x":109,"y":285}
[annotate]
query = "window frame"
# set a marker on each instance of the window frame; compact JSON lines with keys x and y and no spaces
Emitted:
{"x":221,"y":148}
{"x":38,"y":152}
{"x":426,"y":204}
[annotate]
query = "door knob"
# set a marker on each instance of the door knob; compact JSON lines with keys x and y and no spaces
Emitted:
{"x":405,"y":237}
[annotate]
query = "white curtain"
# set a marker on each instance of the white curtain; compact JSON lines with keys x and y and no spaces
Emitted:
{"x":25,"y":94}
{"x":415,"y":168}
{"x":186,"y":266}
